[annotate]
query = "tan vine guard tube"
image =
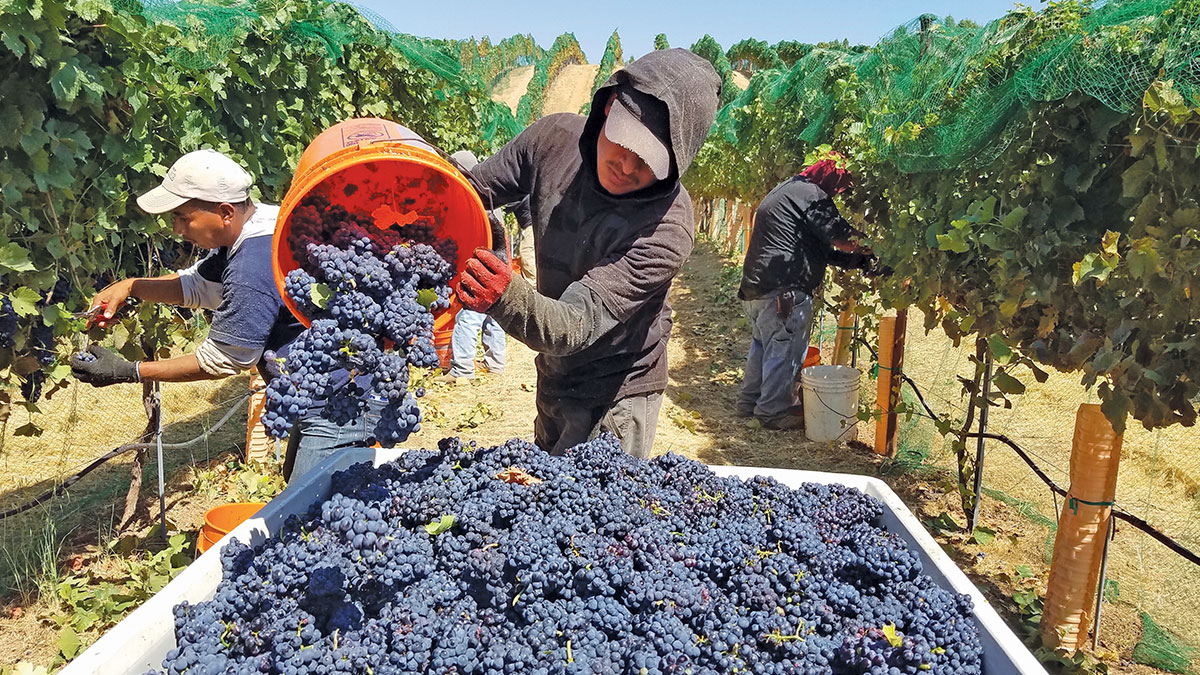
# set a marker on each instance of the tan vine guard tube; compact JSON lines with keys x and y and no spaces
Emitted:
{"x":1082,"y":527}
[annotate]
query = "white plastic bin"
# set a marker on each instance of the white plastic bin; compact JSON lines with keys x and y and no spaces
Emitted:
{"x":830,"y":402}
{"x":140,"y":642}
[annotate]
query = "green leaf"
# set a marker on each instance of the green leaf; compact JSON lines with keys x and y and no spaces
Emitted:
{"x":436,"y":527}
{"x":1163,"y":97}
{"x":945,"y":522}
{"x":1133,"y":181}
{"x":30,"y":430}
{"x":1093,"y":266}
{"x":320,"y":295}
{"x":1001,"y":351}
{"x":1116,"y":408}
{"x":955,"y":241}
{"x":1024,"y":571}
{"x":24,"y":301}
{"x":65,"y":82}
{"x":983,"y":536}
{"x":1007,"y":383}
{"x":426,"y":297}
{"x":14,"y":258}
{"x":889,"y":632}
{"x":1014,"y":218}
{"x":68,"y":643}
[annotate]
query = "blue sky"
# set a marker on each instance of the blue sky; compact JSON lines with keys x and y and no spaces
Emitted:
{"x":684,"y":22}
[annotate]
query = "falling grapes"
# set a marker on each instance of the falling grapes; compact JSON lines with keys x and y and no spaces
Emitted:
{"x":370,"y":294}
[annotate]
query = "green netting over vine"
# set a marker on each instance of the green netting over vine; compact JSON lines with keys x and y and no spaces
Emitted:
{"x":211,"y":30}
{"x":937,"y":94}
{"x":1160,"y":649}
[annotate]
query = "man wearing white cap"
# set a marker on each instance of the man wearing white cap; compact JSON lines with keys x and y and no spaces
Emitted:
{"x":612,"y":225}
{"x":208,"y":197}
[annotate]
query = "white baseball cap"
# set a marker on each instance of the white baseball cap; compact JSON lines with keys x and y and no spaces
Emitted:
{"x":204,"y":174}
{"x":640,"y":123}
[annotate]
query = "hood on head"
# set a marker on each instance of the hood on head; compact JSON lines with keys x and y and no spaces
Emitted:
{"x":686,"y":83}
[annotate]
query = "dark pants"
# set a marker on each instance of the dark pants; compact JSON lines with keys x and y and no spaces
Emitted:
{"x":561,"y":423}
{"x":777,"y":351}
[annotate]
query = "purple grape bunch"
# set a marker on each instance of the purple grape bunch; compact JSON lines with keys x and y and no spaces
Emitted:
{"x":505,"y":559}
{"x":370,"y":294}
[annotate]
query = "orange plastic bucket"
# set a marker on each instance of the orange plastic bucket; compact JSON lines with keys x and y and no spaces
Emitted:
{"x":220,"y":521}
{"x":377,"y":167}
{"x":441,"y":344}
{"x":812,"y":357}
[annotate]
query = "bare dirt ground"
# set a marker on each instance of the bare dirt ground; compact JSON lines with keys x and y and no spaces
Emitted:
{"x":570,"y":90}
{"x":741,"y":78}
{"x":512,"y":86}
{"x":706,"y":355}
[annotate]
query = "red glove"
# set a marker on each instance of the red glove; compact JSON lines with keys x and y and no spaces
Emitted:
{"x":484,"y":278}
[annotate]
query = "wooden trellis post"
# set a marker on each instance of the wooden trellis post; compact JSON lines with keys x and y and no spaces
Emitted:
{"x":887,"y":392}
{"x":845,"y":334}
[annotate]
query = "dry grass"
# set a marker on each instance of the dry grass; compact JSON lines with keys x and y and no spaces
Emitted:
{"x":512,"y":86}
{"x":570,"y":89}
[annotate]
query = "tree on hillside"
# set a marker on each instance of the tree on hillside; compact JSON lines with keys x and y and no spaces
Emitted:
{"x":660,"y":42}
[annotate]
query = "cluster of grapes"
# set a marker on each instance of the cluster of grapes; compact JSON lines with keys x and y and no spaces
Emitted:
{"x":40,"y":341}
{"x":365,"y":290}
{"x":8,"y":323}
{"x":509,"y":560}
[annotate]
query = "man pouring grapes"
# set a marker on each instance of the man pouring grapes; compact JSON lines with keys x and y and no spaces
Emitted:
{"x":612,"y":226}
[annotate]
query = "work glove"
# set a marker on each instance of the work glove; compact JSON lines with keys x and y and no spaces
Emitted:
{"x":106,"y":368}
{"x":872,"y":268}
{"x":484,"y":278}
{"x":499,"y":237}
{"x":785,"y":302}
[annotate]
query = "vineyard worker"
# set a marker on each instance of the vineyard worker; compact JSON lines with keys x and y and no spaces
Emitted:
{"x":613,"y":226}
{"x":468,"y":325}
{"x":208,"y":197}
{"x":797,"y":232}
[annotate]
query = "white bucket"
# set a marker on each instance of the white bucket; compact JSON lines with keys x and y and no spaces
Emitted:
{"x":830,"y":402}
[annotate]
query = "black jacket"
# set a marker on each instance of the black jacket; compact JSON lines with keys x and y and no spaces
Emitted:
{"x":792,"y":241}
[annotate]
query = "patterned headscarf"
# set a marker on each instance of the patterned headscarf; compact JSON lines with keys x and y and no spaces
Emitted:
{"x":827,"y":175}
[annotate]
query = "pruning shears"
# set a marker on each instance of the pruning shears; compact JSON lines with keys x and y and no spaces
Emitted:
{"x":90,"y":316}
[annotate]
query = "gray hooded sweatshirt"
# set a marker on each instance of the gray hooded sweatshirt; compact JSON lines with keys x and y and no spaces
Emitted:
{"x":599,"y":317}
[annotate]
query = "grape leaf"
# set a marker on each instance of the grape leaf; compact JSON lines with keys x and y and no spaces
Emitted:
{"x":436,"y":527}
{"x":983,"y":536}
{"x":426,"y":297}
{"x":889,"y":632}
{"x":15,"y":258}
{"x":68,"y":643}
{"x":320,"y":295}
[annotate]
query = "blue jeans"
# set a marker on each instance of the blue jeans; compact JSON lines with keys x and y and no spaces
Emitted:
{"x":777,"y":353}
{"x":467,"y":326}
{"x":315,"y":438}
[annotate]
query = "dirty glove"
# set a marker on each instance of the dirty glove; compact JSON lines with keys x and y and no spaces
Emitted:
{"x":784,"y":303}
{"x":499,"y":237}
{"x":484,"y":278}
{"x":106,"y":368}
{"x":872,"y":268}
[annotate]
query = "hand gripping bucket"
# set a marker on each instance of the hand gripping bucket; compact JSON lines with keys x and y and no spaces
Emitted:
{"x":379,"y":168}
{"x":830,"y":402}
